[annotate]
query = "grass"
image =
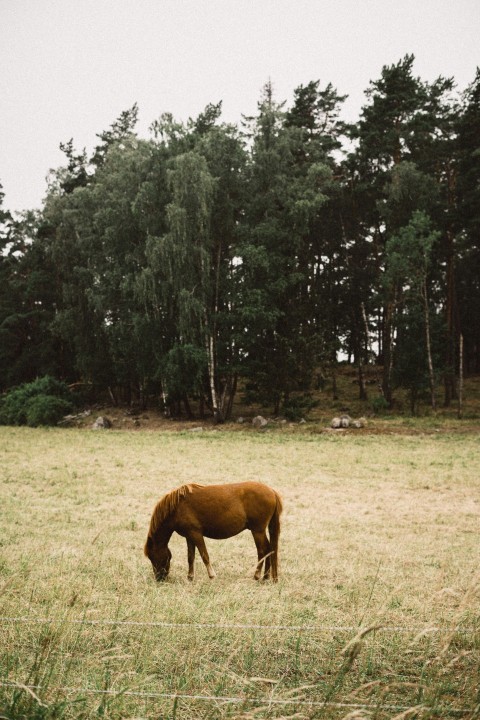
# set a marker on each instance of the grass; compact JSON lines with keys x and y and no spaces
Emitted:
{"x":375,"y":613}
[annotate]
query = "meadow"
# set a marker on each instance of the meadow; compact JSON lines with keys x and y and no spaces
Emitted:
{"x":375,"y":615}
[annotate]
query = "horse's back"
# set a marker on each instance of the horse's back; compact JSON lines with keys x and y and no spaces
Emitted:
{"x":220,"y":511}
{"x":254,"y":497}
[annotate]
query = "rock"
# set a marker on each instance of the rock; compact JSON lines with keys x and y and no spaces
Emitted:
{"x":259,"y":422}
{"x":102,"y":423}
{"x":345,"y":421}
{"x":361,"y":422}
{"x":196,"y":429}
{"x":240,"y":420}
{"x":70,"y":419}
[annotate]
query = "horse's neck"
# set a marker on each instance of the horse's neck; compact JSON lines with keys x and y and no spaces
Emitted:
{"x":163,"y":534}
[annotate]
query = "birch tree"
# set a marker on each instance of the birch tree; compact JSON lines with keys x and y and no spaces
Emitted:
{"x":187,"y":253}
{"x":408,"y":260}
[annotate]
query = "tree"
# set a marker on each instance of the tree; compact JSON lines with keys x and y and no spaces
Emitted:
{"x":76,"y":173}
{"x":400,"y":124}
{"x":97,"y":244}
{"x":289,"y":180}
{"x":28,"y":300}
{"x":225,"y":155}
{"x":176,"y":265}
{"x":408,"y":257}
{"x":468,"y":222}
{"x":187,"y":253}
{"x":122,"y":129}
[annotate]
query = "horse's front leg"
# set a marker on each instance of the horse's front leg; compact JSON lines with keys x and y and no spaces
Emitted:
{"x":191,"y":558}
{"x":197,"y":539}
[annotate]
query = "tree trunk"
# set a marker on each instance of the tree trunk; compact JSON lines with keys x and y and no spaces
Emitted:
{"x":450,"y":389}
{"x":113,"y":396}
{"x":361,"y":381}
{"x":334,"y":377}
{"x":431,"y":376}
{"x":460,"y":381}
{"x":233,"y":390}
{"x":387,"y":343}
{"x":166,"y":406}
{"x":188,"y":409}
{"x":216,"y":409}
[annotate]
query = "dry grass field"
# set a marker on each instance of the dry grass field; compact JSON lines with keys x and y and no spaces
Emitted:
{"x":375,"y":615}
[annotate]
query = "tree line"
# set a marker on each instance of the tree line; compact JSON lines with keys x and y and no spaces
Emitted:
{"x":211,"y":255}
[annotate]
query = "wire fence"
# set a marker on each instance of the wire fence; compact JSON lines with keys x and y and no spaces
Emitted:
{"x":241,"y":626}
{"x":238,"y":700}
{"x":223,"y":699}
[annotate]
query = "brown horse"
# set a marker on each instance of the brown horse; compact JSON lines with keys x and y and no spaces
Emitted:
{"x":215,"y":511}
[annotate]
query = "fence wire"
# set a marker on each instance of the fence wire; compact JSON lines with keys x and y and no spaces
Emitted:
{"x":269,"y":701}
{"x":239,"y":626}
{"x":453,"y":712}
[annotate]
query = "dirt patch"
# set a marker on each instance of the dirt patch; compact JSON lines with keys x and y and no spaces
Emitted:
{"x":154,"y":420}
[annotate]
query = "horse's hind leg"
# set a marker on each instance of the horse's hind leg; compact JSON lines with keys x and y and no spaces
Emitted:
{"x":191,"y":558}
{"x":199,"y":542}
{"x":263,"y":552}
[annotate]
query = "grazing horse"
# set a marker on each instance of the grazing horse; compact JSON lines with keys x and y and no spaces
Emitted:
{"x":215,"y":511}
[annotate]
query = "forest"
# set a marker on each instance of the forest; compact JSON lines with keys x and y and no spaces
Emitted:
{"x":210,"y":259}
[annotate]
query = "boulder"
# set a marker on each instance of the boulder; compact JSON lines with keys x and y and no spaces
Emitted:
{"x":102,"y":423}
{"x":259,"y":422}
{"x":361,"y":422}
{"x":345,"y":421}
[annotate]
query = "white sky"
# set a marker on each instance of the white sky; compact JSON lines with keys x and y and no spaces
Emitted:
{"x":70,"y":67}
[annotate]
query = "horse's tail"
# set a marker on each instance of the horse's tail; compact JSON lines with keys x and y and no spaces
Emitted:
{"x":274,"y":532}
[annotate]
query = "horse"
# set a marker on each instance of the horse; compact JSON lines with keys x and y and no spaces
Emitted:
{"x":215,"y":511}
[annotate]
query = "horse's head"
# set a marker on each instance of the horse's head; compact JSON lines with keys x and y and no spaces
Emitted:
{"x":160,"y":556}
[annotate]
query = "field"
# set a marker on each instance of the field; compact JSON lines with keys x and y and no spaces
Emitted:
{"x":375,"y":615}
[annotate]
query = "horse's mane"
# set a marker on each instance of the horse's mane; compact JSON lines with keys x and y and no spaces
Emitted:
{"x":167,"y":505}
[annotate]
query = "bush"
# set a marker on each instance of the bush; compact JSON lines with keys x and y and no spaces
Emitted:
{"x":297,"y":408}
{"x":41,"y":402}
{"x":46,"y":410}
{"x":379,"y":405}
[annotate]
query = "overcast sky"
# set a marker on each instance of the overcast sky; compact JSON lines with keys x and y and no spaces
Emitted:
{"x":70,"y":67}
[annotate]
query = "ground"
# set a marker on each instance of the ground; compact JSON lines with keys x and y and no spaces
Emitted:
{"x":318,"y":420}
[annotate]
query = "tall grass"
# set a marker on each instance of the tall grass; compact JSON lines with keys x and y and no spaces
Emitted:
{"x":375,"y":614}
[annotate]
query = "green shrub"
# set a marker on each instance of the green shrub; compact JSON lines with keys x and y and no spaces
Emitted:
{"x":379,"y":405}
{"x":46,"y":410}
{"x":297,"y":408}
{"x":18,"y":406}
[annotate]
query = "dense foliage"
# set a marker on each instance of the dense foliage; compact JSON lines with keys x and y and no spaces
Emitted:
{"x":41,"y":402}
{"x":176,"y":266}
